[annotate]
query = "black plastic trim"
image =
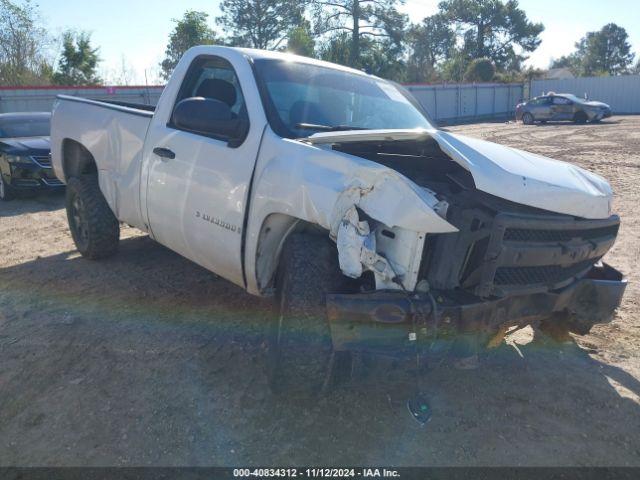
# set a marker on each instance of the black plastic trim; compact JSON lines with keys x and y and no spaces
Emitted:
{"x":381,"y":321}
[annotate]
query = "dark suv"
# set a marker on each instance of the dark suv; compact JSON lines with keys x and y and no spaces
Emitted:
{"x":25,"y":159}
{"x":561,"y":106}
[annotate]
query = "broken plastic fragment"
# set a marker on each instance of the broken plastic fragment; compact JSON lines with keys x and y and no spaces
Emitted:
{"x":357,"y":248}
{"x":352,"y":234}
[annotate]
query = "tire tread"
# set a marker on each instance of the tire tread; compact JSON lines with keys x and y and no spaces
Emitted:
{"x":308,"y":271}
{"x":104,"y":228}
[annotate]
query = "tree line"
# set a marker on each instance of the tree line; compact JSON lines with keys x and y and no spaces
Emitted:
{"x":465,"y":40}
{"x":26,"y":51}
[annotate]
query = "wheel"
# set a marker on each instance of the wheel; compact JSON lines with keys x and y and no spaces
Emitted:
{"x":300,"y":351}
{"x":6,"y":192}
{"x":94,"y":227}
{"x":527,"y":119}
{"x":580,"y":118}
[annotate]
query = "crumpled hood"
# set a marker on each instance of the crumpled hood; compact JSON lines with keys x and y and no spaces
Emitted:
{"x":505,"y":172}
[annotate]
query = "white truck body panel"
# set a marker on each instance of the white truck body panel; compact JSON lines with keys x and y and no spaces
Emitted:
{"x":196,"y":203}
{"x":230,"y":209}
{"x":319,"y":186}
{"x":115,"y":137}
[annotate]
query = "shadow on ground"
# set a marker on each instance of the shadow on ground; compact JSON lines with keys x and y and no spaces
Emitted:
{"x":42,"y":202}
{"x":147,"y":359}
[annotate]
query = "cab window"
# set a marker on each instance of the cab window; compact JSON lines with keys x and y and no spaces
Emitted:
{"x":214,"y":78}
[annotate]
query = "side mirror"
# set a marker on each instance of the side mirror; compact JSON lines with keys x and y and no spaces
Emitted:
{"x":209,"y":117}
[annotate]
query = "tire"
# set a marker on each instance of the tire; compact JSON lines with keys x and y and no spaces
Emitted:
{"x":580,"y":118}
{"x":527,"y":119}
{"x":6,"y":192}
{"x":300,"y":351}
{"x":94,"y":227}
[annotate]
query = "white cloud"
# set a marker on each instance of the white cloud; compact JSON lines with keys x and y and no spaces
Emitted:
{"x":419,"y":9}
{"x":557,"y":40}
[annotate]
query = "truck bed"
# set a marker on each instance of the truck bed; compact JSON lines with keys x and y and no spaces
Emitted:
{"x":114,"y":133}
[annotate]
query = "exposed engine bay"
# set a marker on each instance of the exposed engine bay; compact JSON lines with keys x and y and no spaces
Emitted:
{"x":501,"y":248}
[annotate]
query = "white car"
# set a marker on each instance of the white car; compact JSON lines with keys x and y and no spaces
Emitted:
{"x":332,"y":190}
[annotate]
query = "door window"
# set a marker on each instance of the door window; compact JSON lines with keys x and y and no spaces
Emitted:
{"x":540,"y":101}
{"x":214,"y":78}
{"x":561,"y":101}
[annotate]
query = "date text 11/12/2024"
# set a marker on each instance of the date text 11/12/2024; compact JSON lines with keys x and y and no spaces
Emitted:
{"x":316,"y":473}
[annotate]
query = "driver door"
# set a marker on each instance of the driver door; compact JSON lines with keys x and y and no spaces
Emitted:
{"x":562,"y":108}
{"x":197,"y":183}
{"x":541,"y":108}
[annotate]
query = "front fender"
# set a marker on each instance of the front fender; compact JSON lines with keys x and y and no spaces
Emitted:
{"x":319,"y":186}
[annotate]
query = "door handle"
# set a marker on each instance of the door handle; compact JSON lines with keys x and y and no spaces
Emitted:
{"x":164,"y":153}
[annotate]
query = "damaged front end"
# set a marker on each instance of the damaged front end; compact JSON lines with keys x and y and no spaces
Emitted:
{"x":391,"y":321}
{"x":380,"y":228}
{"x":455,"y":259}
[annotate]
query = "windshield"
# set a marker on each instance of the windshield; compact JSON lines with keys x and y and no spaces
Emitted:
{"x":305,"y":99}
{"x":25,"y":127}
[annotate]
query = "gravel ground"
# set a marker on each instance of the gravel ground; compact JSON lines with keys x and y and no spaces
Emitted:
{"x":147,"y":359}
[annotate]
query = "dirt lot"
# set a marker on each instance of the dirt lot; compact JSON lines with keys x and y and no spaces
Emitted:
{"x":147,"y":359}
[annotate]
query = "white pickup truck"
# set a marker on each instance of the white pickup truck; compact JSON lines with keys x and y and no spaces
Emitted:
{"x":333,"y":191}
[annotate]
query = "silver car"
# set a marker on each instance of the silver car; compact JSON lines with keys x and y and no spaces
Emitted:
{"x":561,"y":106}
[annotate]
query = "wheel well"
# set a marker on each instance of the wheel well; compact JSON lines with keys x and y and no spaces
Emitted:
{"x":276,"y":228}
{"x":76,"y":159}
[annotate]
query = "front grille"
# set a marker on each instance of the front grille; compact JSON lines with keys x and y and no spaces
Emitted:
{"x":52,"y":182}
{"x":531,"y":235}
{"x":42,"y":160}
{"x":509,"y":253}
{"x":545,"y":275}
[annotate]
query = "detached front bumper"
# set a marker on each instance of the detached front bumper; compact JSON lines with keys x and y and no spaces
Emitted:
{"x":383,"y":321}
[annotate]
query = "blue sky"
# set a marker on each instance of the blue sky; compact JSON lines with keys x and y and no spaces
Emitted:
{"x":137,"y":30}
